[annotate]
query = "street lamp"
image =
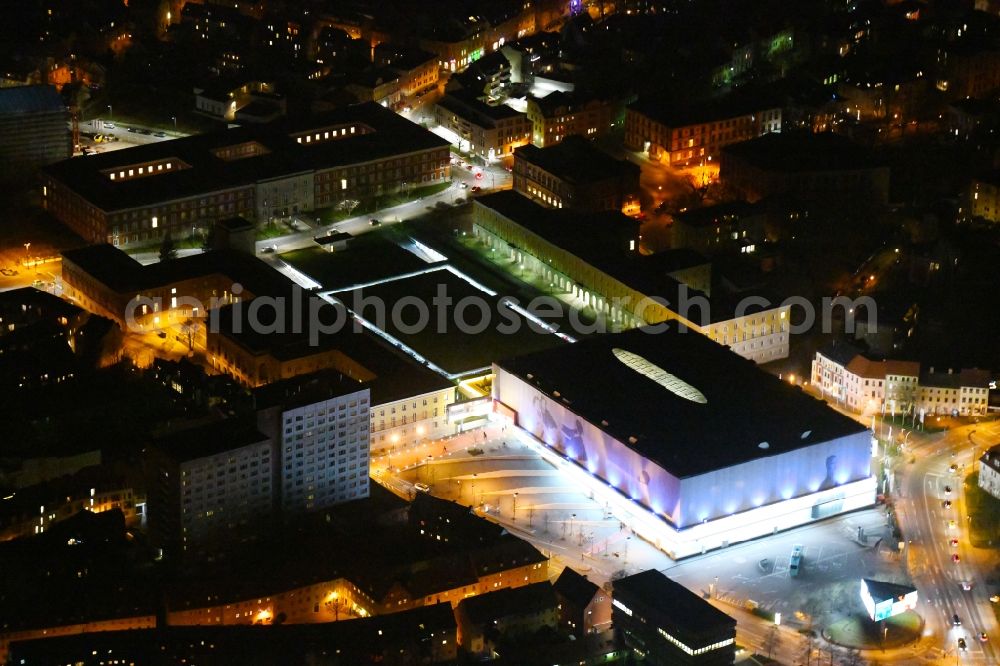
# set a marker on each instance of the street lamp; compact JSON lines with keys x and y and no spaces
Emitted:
{"x":111,"y":113}
{"x":174,"y":118}
{"x":514,"y":512}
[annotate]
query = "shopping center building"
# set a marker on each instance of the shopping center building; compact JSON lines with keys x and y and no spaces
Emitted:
{"x":690,"y":445}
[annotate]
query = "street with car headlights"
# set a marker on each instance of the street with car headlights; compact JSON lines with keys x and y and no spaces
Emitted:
{"x":951,"y":575}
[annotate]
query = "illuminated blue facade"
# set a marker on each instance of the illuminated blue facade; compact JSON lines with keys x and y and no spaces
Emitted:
{"x":836,"y":472}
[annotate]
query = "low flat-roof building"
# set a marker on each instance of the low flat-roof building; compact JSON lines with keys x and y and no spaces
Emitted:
{"x":261,"y":172}
{"x":666,"y":624}
{"x":622,"y":413}
{"x":575,"y":174}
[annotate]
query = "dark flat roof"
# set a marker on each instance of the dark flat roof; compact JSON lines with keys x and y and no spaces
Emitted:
{"x":745,"y":405}
{"x":208,"y":439}
{"x":393,"y":135}
{"x":124,"y":275}
{"x":20,"y":100}
{"x":672,"y":115}
{"x":682,"y":607}
{"x":724,"y":213}
{"x":599,"y":239}
{"x":453,"y":350}
{"x":466,"y":105}
{"x":881,"y":590}
{"x":577,"y":160}
{"x":797,"y":152}
{"x":305,"y":390}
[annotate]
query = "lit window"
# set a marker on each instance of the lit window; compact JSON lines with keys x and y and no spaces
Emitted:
{"x":155,"y":222}
{"x":343,"y":183}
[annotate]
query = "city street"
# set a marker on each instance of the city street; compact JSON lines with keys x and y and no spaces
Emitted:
{"x":929,"y":528}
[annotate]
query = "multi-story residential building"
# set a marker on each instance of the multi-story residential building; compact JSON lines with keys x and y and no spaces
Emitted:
{"x":594,"y":259}
{"x":488,"y":132}
{"x":262,"y":172}
{"x":424,"y":636}
{"x":962,"y":393}
{"x":33,"y":509}
{"x":210,"y":485}
{"x":417,"y":70}
{"x":459,"y":40}
{"x":374,"y":579}
{"x":731,"y":227}
{"x":989,"y":471}
{"x":508,"y":613}
{"x":34,"y":130}
{"x":378,"y":84}
{"x":810,"y":167}
{"x":105,"y":280}
{"x":560,"y":114}
{"x":230,"y":102}
{"x":584,"y":606}
{"x":576,"y":175}
{"x":409,"y":404}
{"x":982,"y":198}
{"x":319,"y":423}
{"x":488,"y":77}
{"x":692,"y":136}
{"x":860,"y":384}
{"x":968,"y":70}
{"x":666,"y":624}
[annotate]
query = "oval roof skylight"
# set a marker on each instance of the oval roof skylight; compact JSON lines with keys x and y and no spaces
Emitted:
{"x":674,"y":384}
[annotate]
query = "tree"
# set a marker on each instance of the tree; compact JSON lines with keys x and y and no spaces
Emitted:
{"x":168,"y":250}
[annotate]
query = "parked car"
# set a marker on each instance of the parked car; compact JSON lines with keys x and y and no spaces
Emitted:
{"x":374,"y":223}
{"x":477,"y":189}
{"x":422,"y":487}
{"x":160,"y":135}
{"x":270,"y":249}
{"x":109,"y":126}
{"x":962,"y":645}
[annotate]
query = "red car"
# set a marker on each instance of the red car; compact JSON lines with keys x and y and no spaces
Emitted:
{"x":955,"y":558}
{"x":477,"y":189}
{"x":479,"y":174}
{"x":953,"y":543}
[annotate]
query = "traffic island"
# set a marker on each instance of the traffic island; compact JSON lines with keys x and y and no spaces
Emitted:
{"x":858,"y":631}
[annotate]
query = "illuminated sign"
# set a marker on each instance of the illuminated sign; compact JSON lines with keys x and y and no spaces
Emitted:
{"x":885,"y":600}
